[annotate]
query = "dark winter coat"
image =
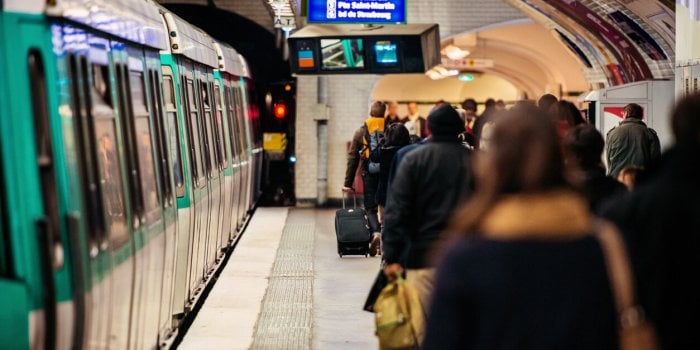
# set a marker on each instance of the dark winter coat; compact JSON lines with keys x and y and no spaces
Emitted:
{"x":631,"y":143}
{"x":534,"y":279}
{"x":599,"y":188}
{"x":429,"y":183}
{"x":662,"y":223}
{"x":386,"y":157}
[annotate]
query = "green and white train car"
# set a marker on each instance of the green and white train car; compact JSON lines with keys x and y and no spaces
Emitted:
{"x":129,"y":163}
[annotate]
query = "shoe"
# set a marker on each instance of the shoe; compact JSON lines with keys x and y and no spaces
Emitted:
{"x":374,"y":245}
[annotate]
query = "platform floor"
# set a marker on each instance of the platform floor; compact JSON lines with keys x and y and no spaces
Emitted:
{"x":285,"y":287}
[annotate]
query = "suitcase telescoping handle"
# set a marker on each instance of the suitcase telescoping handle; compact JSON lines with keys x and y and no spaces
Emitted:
{"x":354,"y":200}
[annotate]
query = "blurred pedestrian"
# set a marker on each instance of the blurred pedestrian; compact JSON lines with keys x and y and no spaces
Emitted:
{"x":430,"y":181}
{"x":523,"y":270}
{"x":661,"y":219}
{"x":583,"y":147}
{"x":631,"y":142}
{"x":546,"y":101}
{"x":417,"y":125}
{"x":396,"y":137}
{"x":630,"y":175}
{"x":392,"y":114}
{"x":565,"y":116}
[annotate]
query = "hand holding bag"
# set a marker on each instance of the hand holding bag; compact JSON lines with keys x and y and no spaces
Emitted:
{"x":399,"y":316}
{"x":634,"y":332}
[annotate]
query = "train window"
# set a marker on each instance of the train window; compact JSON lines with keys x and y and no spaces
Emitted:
{"x":240,"y":124}
{"x":109,"y":176}
{"x":44,"y":149}
{"x":219,"y":127}
{"x":172,"y":134}
{"x":92,"y":201}
{"x":208,"y":134}
{"x":161,"y":142}
{"x":110,"y":179}
{"x":144,"y":148}
{"x":196,"y":146}
{"x":233,"y":135}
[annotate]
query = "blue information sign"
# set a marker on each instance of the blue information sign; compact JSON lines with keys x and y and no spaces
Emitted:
{"x":357,"y":11}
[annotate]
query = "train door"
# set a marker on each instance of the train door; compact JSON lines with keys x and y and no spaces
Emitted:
{"x":227,"y":193}
{"x":155,"y":184}
{"x":213,"y":171}
{"x":199,"y":199}
{"x":243,"y":155}
{"x":246,"y":125}
{"x":35,"y":271}
{"x":169,"y":166}
{"x":91,"y":136}
{"x":235,"y":158}
{"x":224,"y":174}
{"x":175,"y":98}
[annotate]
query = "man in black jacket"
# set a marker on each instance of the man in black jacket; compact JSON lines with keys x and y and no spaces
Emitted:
{"x":430,"y":182}
{"x":661,"y":221}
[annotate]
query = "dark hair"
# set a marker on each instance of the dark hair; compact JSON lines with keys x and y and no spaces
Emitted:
{"x":565,"y":110}
{"x":490,"y":103}
{"x":469,"y":104}
{"x":524,"y":156}
{"x":546,"y":101}
{"x":634,"y":110}
{"x":397,"y":135}
{"x":585,"y":144}
{"x":685,"y":121}
{"x":377,"y":109}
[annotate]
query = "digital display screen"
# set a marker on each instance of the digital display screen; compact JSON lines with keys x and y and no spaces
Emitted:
{"x":385,"y":52}
{"x":357,"y":11}
{"x":338,"y":54}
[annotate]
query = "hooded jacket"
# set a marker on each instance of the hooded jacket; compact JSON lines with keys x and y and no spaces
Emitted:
{"x":429,"y":183}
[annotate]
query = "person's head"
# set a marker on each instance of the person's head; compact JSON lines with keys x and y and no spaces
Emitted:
{"x":444,"y":122}
{"x":633,"y":110}
{"x":629,"y":175}
{"x":490,"y":104}
{"x":500,"y":105}
{"x":566,"y":111}
{"x":524,"y":157}
{"x":412,"y":107}
{"x":397,"y":135}
{"x":377,"y":109}
{"x":392,"y":108}
{"x":584,"y":145}
{"x":469,"y":105}
{"x":546,"y":101}
{"x":685,"y":121}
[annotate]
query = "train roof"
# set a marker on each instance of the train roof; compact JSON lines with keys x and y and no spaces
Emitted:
{"x":134,"y":20}
{"x":190,"y":41}
{"x":230,"y":61}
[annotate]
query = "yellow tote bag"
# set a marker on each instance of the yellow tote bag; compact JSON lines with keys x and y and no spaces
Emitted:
{"x":399,"y":317}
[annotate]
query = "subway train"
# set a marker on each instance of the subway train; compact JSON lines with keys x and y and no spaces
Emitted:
{"x":130,"y":155}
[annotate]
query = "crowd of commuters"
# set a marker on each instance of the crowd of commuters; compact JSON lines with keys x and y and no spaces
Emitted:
{"x":496,"y":219}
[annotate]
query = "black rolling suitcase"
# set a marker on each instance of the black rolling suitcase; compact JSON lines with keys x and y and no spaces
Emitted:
{"x":352,"y":230}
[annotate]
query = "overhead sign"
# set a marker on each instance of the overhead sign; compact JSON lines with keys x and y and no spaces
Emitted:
{"x":357,"y":11}
{"x":285,"y":22}
{"x":467,"y":63}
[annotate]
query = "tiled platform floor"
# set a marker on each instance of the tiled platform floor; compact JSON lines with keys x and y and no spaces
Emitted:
{"x":286,"y":288}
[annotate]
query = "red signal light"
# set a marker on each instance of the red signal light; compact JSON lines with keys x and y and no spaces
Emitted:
{"x":280,"y":110}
